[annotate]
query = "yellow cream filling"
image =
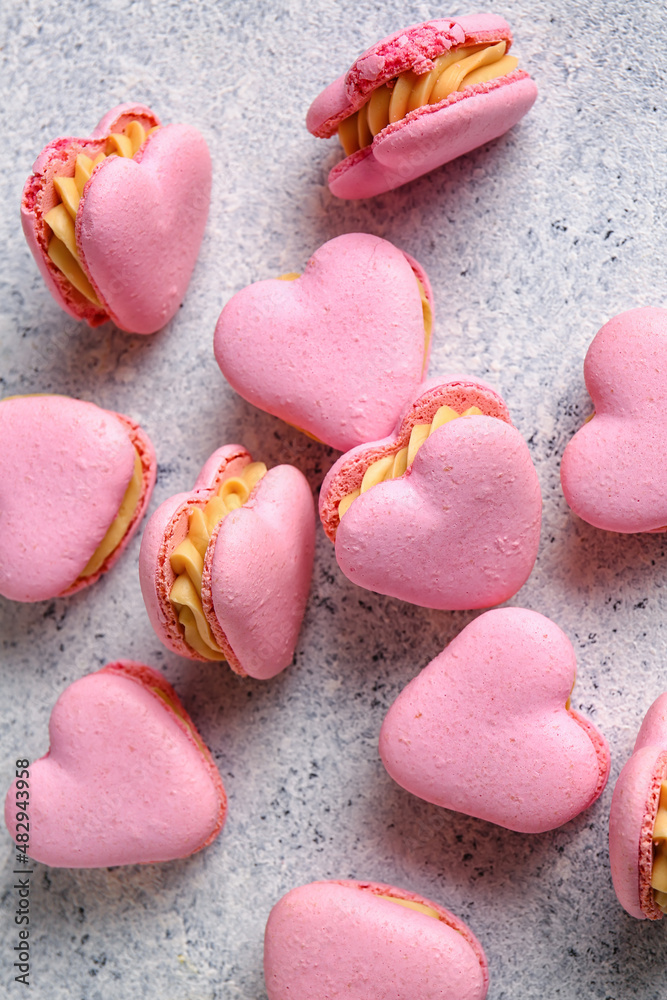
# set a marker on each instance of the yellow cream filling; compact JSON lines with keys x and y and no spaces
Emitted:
{"x":420,"y":907}
{"x":659,"y":870}
{"x":172,"y":706}
{"x":62,"y":249}
{"x":121,"y":523}
{"x":187,"y":559}
{"x":393,"y":466}
{"x":455,"y":70}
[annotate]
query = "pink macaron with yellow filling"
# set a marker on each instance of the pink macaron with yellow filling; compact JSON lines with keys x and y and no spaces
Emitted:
{"x":487,"y":729}
{"x":366,"y":940}
{"x":336,"y":350}
{"x":225,"y":569}
{"x":445,"y":512}
{"x":638,"y":821}
{"x":75,"y":481}
{"x":127,"y":779}
{"x":115,"y":220}
{"x":420,"y":98}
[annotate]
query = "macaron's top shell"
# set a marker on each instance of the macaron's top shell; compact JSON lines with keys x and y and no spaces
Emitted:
{"x":411,"y":48}
{"x":64,"y":468}
{"x":346,"y":939}
{"x":633,"y":813}
{"x":127,"y":779}
{"x":484,"y":729}
{"x":337,"y":351}
{"x":613,"y":471}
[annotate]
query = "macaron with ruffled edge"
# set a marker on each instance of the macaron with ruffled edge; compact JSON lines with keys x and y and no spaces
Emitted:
{"x":487,"y":729}
{"x":420,"y":98}
{"x":75,"y":481}
{"x":638,"y":821}
{"x":127,"y":779}
{"x":362,"y":940}
{"x":446,"y":511}
{"x":334,"y":351}
{"x":115,"y":220}
{"x":225,"y":569}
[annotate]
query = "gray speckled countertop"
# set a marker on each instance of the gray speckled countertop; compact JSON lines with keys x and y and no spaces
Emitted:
{"x":531,"y":244}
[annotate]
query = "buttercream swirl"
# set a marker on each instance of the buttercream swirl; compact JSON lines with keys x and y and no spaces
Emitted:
{"x":452,"y":71}
{"x":659,"y":870}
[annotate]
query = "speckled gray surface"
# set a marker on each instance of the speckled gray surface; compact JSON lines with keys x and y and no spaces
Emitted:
{"x":531,"y":244}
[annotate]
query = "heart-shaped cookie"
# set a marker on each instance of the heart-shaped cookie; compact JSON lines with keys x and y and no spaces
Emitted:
{"x":127,"y":779}
{"x":420,"y":98}
{"x":613,"y":471}
{"x":115,"y":220}
{"x":459,"y":526}
{"x":338,"y":350}
{"x":75,"y":481}
{"x":485,"y":729}
{"x":225,"y":569}
{"x":369,"y":941}
{"x":638,"y":821}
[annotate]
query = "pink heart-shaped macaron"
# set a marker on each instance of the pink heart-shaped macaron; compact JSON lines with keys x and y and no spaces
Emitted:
{"x":337,"y":351}
{"x":139,"y":221}
{"x":485,"y":729}
{"x":613,"y":471}
{"x":460,"y":528}
{"x":127,"y":779}
{"x":257,"y":566}
{"x":67,"y":468}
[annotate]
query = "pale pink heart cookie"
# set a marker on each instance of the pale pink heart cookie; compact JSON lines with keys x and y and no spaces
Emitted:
{"x":337,"y":350}
{"x":613,"y":471}
{"x":127,"y":779}
{"x":638,"y":821}
{"x":75,"y":481}
{"x":486,"y":729}
{"x":225,"y":569}
{"x":115,"y":220}
{"x":420,"y":98}
{"x":347,"y":940}
{"x":446,"y":511}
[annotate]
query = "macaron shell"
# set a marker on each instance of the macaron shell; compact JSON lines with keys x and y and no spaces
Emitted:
{"x":484,"y":730}
{"x":613,"y":471}
{"x":124,"y":781}
{"x":634,"y":806}
{"x":257,"y":577}
{"x":434,"y":135}
{"x":64,"y":468}
{"x":335,"y":352}
{"x":459,"y":530}
{"x":140,"y":224}
{"x":339,"y":940}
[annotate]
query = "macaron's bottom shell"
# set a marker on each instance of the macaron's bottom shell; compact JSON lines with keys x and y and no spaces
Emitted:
{"x":433,"y":135}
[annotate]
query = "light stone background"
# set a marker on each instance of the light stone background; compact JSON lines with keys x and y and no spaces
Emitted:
{"x":531,"y":244}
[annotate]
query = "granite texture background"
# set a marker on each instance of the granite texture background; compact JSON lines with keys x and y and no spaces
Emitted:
{"x":531,"y":243}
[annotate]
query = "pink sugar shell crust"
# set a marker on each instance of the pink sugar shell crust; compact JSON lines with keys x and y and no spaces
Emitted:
{"x":460,"y":529}
{"x":340,"y":940}
{"x":127,"y":779}
{"x":257,"y":569}
{"x":139,"y":224}
{"x":613,"y":471}
{"x":634,"y":807}
{"x":64,"y":468}
{"x":335,"y":352}
{"x":484,"y":730}
{"x":431,"y":135}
